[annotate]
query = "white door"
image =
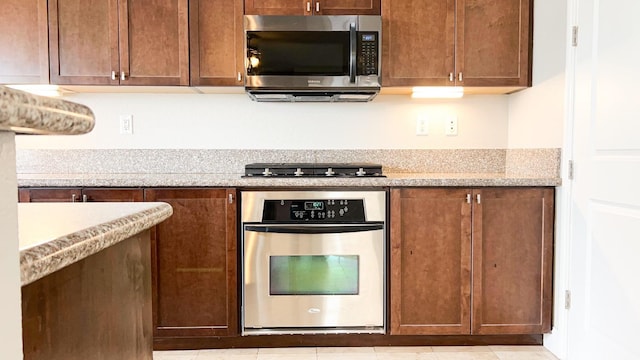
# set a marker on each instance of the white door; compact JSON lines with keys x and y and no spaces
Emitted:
{"x":604,"y":319}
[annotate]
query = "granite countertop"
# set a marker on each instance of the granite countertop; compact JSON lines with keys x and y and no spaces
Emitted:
{"x":235,"y":180}
{"x":24,"y":113}
{"x":54,"y":235}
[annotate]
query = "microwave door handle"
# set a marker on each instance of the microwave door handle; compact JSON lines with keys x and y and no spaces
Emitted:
{"x":293,"y":229}
{"x":352,"y":59}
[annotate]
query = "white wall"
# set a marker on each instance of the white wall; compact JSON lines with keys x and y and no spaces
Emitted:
{"x":233,"y":121}
{"x":536,"y":115}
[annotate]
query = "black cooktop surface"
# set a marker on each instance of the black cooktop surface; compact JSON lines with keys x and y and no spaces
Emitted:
{"x":313,"y":170}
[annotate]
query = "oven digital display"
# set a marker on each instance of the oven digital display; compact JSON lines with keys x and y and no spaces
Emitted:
{"x":314,"y":205}
{"x":368,"y":37}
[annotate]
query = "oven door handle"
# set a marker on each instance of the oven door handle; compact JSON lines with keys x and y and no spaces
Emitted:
{"x":296,"y":229}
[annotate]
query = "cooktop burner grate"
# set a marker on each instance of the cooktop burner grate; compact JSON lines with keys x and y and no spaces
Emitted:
{"x":313,"y":170}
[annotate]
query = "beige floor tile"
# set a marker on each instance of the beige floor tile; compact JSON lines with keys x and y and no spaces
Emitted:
{"x":347,"y":356}
{"x":228,"y":354}
{"x":291,"y":350}
{"x":465,"y":349}
{"x":406,"y":356}
{"x":346,"y":350}
{"x":291,"y":356}
{"x":530,"y":348}
{"x":175,"y":355}
{"x":473,"y":355}
{"x":524,"y":355}
{"x":403,"y":349}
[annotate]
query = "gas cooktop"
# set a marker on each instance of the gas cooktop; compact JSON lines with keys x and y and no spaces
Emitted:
{"x":313,"y":170}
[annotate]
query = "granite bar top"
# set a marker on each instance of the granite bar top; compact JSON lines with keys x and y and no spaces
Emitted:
{"x":54,"y":235}
{"x":25,"y":113}
{"x":236,"y":180}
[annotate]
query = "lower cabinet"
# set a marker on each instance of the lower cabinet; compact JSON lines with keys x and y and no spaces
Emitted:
{"x":193,"y":255}
{"x":79,"y":195}
{"x":469,"y":261}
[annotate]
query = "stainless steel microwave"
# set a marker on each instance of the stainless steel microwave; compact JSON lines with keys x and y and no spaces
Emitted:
{"x":312,"y":58}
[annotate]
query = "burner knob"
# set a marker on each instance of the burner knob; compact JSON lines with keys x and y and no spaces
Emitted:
{"x":266,"y":172}
{"x":298,"y":172}
{"x":330,"y":172}
{"x":361,"y":172}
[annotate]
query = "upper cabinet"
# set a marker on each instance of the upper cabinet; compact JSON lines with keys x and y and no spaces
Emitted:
{"x":457,"y":42}
{"x":216,"y":42}
{"x":119,"y":42}
{"x":24,"y":55}
{"x":312,"y":7}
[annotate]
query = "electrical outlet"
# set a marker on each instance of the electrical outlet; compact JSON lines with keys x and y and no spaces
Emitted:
{"x":126,"y":124}
{"x":451,"y":126}
{"x":422,"y":125}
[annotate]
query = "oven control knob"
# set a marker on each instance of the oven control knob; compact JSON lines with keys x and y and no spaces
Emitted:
{"x":341,"y":212}
{"x":361,"y":172}
{"x":266,"y":172}
{"x":298,"y":172}
{"x":346,"y":209}
{"x":330,"y":172}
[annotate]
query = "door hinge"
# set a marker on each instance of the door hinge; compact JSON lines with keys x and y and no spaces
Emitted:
{"x":574,"y":36}
{"x":570,"y":170}
{"x":567,"y":299}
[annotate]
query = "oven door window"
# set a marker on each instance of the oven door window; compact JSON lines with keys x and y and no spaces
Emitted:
{"x":314,"y":275}
{"x":305,"y":53}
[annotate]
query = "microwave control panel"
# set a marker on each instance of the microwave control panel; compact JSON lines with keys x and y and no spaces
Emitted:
{"x":368,"y":45}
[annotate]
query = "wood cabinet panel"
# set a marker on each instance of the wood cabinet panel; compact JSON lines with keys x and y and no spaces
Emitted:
{"x":84,"y":41}
{"x":483,"y":43}
{"x":50,"y":195}
{"x":112,"y":195}
{"x":24,"y":42}
{"x":216,"y":42}
{"x":312,"y":7}
{"x":431,"y":261}
{"x":112,"y":42}
{"x":512,"y":254}
{"x":154,"y":42}
{"x":494,"y":42}
{"x":194,"y":262}
{"x":482,"y":267}
{"x":418,"y":42}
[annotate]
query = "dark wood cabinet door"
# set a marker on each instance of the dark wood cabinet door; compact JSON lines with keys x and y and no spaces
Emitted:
{"x":418,"y":42}
{"x":512,"y":261}
{"x":278,"y":7}
{"x":494,"y":42}
{"x":50,"y":195}
{"x":430,"y":261}
{"x":216,"y":42}
{"x":346,"y":7}
{"x":194,"y":264}
{"x":83,"y":41}
{"x":112,"y":195}
{"x":154,"y":42}
{"x":24,"y":42}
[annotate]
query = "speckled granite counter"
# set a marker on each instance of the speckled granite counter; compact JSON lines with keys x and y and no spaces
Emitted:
{"x":24,"y":113}
{"x":235,"y":180}
{"x":54,"y":235}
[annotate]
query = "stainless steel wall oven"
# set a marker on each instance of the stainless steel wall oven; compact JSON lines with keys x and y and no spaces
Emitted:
{"x":313,"y":262}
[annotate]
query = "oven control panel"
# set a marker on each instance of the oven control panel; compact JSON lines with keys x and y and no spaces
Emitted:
{"x":314,"y":210}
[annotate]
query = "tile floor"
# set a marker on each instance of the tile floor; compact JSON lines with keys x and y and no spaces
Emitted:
{"x":366,"y":353}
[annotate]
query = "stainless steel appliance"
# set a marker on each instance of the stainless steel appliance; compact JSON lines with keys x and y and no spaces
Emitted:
{"x":313,"y":170}
{"x":312,"y":58}
{"x":313,"y":262}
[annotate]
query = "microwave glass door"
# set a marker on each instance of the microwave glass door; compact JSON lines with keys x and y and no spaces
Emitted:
{"x":304,"y":53}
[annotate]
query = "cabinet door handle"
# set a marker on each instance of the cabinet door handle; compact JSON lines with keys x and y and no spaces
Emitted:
{"x":239,"y":76}
{"x":460,"y":76}
{"x":230,"y":198}
{"x":451,"y":78}
{"x":478,"y":200}
{"x":84,"y":198}
{"x":468,"y":198}
{"x":73,"y":197}
{"x":308,"y":6}
{"x":123,"y":76}
{"x":114,"y":76}
{"x":318,"y":7}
